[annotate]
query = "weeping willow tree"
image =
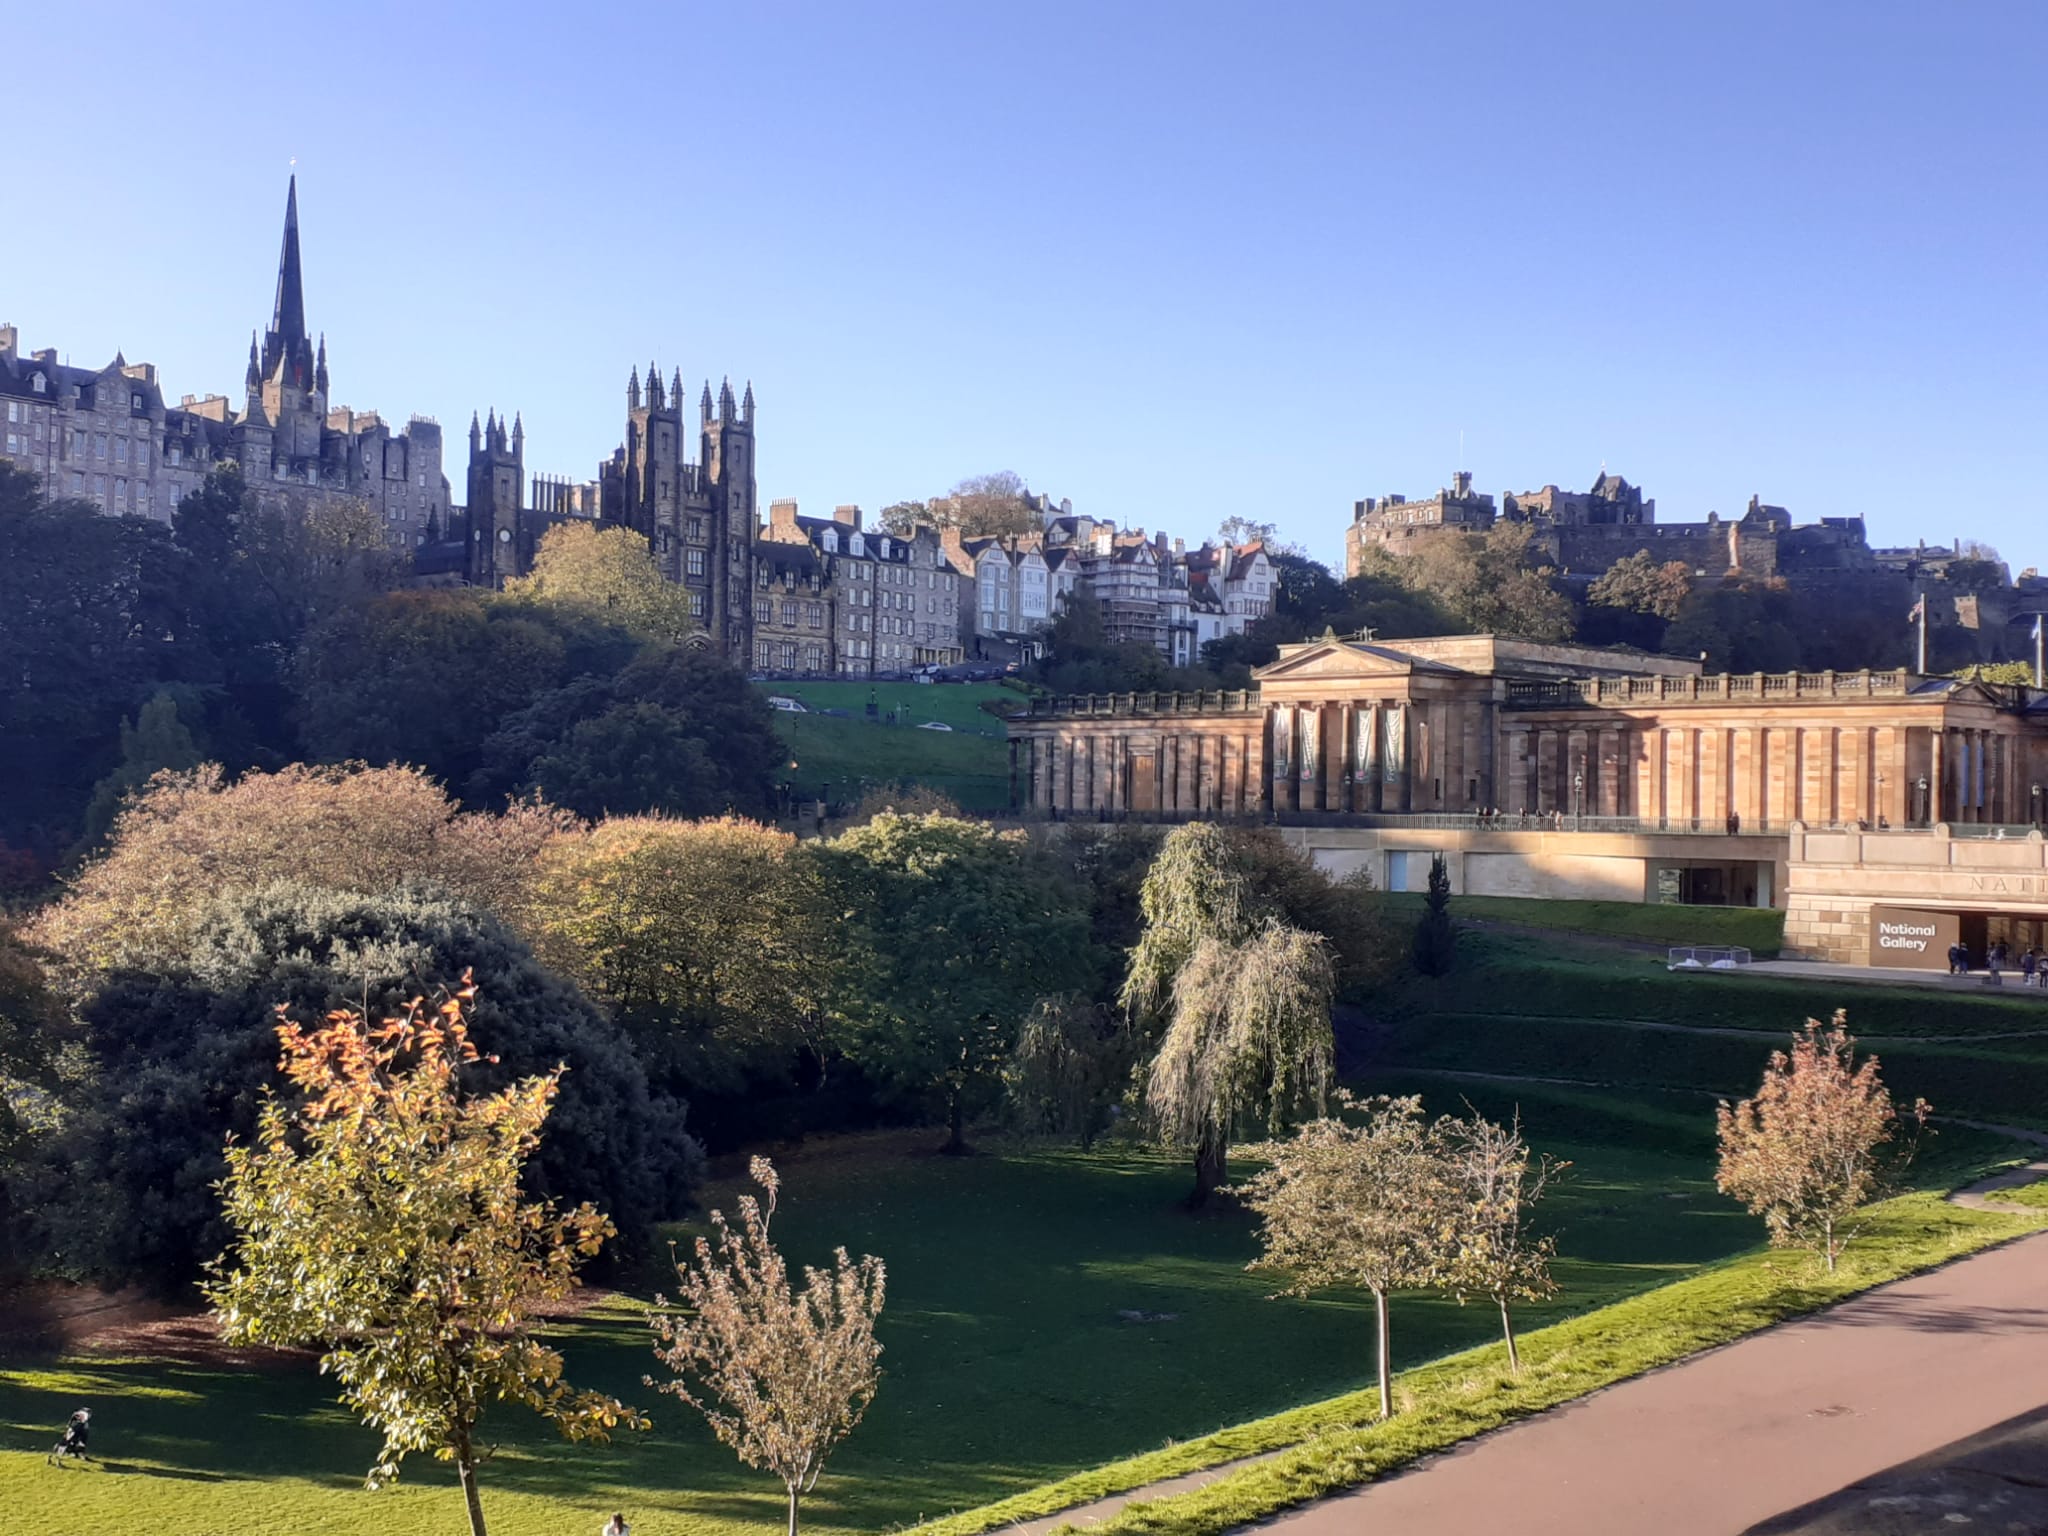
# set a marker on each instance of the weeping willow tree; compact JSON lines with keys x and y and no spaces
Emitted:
{"x":1247,"y":1042}
{"x":1197,"y":888}
{"x":1064,"y":1074}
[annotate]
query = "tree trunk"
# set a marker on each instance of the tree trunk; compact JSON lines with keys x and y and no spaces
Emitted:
{"x":1385,"y":1353}
{"x":792,"y":1510}
{"x":956,"y":1125}
{"x":1212,"y":1168}
{"x":1507,"y":1327}
{"x":465,"y":1469}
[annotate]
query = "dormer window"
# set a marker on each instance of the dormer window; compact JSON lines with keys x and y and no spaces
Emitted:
{"x":135,"y":402}
{"x":831,"y":541}
{"x":38,"y":383}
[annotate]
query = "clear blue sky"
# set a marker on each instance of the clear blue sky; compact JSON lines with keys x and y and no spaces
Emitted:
{"x":1173,"y":261}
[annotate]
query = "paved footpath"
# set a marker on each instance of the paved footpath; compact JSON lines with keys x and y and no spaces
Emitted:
{"x":1713,"y":1445}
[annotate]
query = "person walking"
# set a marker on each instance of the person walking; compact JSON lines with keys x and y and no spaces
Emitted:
{"x":2029,"y":962}
{"x":616,"y":1526}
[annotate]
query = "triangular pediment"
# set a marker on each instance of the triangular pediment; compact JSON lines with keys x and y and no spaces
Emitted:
{"x":1340,"y":659}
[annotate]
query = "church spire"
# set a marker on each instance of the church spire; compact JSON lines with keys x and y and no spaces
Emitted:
{"x":255,"y":377}
{"x":320,"y":367}
{"x":287,"y":344}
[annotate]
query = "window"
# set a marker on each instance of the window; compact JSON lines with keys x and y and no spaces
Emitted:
{"x":817,"y":615}
{"x":761,"y":576}
{"x":99,"y":445}
{"x":99,"y":486}
{"x":37,"y":383}
{"x":761,"y":654}
{"x":13,"y":411}
{"x":764,"y":611}
{"x":696,"y":562}
{"x":78,"y":482}
{"x":134,"y":402}
{"x":696,"y":605}
{"x":814,"y":659}
{"x":789,"y":615}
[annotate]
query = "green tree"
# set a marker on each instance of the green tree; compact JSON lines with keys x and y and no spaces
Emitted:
{"x":701,"y":937}
{"x":609,"y":574}
{"x":1248,"y":1039}
{"x":1804,"y":1152}
{"x":980,"y":506}
{"x":951,"y":931}
{"x":95,"y":617}
{"x":382,"y":1221}
{"x":781,"y":1375}
{"x":178,"y":1055}
{"x":156,"y":741}
{"x":1639,"y":583}
{"x":1069,"y":1066}
{"x":1495,"y":1180}
{"x":1368,"y":1205}
{"x":1436,"y":936}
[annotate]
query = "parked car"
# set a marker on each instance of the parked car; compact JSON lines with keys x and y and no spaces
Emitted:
{"x":935,"y":725}
{"x":787,"y":705}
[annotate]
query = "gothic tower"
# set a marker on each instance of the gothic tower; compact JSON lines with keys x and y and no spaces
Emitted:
{"x":497,"y":480}
{"x":290,"y":380}
{"x":659,"y":476}
{"x":728,"y":460}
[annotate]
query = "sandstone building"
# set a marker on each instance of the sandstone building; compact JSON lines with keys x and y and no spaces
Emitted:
{"x":109,"y":435}
{"x":1551,"y":770}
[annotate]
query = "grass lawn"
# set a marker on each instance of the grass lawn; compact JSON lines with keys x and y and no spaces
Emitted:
{"x":1008,"y":1364}
{"x":1761,"y":931}
{"x":971,"y":762}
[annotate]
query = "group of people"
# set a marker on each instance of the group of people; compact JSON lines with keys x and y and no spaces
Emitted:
{"x":2033,"y":966}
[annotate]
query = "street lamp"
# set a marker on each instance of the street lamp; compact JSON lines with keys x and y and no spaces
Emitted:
{"x":1926,"y":810}
{"x":2034,"y":795}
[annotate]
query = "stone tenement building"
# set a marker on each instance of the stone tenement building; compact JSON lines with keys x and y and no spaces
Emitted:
{"x":834,"y":597}
{"x":106,"y":435}
{"x":1555,"y":770}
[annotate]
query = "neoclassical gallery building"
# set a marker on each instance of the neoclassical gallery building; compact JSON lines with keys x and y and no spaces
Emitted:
{"x":1562,"y":770}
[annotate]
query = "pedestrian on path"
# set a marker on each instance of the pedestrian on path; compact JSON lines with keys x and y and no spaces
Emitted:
{"x":616,"y":1526}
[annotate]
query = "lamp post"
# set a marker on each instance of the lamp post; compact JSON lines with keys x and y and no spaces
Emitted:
{"x":2034,"y":799}
{"x":1926,"y":816}
{"x":1881,"y":822}
{"x":1578,"y":799}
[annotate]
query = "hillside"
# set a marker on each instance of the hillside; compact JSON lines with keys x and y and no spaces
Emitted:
{"x":844,"y":754}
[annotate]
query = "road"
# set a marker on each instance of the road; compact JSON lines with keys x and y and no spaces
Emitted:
{"x":1728,"y":1439}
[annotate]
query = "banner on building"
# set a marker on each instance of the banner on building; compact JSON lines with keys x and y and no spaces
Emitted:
{"x":1366,"y":754}
{"x":1912,"y":939}
{"x":1311,"y":744}
{"x":1394,"y":748}
{"x":1283,"y":741}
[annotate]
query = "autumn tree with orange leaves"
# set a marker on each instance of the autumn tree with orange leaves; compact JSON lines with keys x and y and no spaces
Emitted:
{"x":1804,"y":1154}
{"x":381,"y":1221}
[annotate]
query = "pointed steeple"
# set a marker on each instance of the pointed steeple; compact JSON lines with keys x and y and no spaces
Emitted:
{"x":518,"y":433}
{"x":704,"y":404}
{"x":747,"y":404}
{"x":476,"y":435}
{"x":320,"y":367}
{"x":675,"y":390}
{"x":633,"y":390}
{"x":255,"y":372}
{"x":653,"y":387}
{"x":725,"y":403}
{"x":287,"y":346}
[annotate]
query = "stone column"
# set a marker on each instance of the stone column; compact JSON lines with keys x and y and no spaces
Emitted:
{"x":1649,"y":775}
{"x":1372,"y":753}
{"x":1336,"y":720}
{"x":1678,"y":775}
{"x":1575,"y":772}
{"x":1515,"y":799}
{"x":1607,"y":802}
{"x":1852,"y":791}
{"x":1937,"y":806}
{"x":1546,"y":773}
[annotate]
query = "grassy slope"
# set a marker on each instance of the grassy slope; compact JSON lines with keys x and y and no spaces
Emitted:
{"x":1328,"y":1447}
{"x":970,"y":763}
{"x":1762,"y":932}
{"x":1576,"y":1011}
{"x":1007,"y":1364}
